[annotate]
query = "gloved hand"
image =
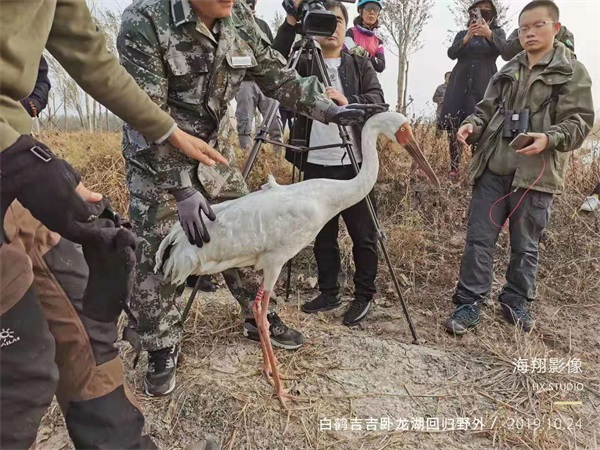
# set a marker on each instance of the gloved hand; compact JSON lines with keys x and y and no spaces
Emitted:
{"x":45,"y":185}
{"x":190,"y":205}
{"x":359,"y":51}
{"x":291,"y":8}
{"x":110,"y":256}
{"x":353,"y":114}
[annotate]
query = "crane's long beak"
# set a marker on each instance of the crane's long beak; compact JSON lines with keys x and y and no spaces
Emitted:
{"x":408,"y":141}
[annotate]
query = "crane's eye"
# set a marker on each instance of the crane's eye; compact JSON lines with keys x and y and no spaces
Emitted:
{"x":402,"y":129}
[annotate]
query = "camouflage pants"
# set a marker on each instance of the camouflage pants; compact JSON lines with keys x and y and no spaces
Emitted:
{"x":154,"y":301}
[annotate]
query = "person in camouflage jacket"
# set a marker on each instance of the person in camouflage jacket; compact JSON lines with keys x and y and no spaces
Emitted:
{"x":191,"y":56}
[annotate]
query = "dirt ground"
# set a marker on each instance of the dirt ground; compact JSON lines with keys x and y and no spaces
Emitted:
{"x":369,"y":388}
{"x":362,"y":387}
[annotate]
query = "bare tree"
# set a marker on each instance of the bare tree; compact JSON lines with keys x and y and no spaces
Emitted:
{"x":278,"y":19}
{"x":403,"y":22}
{"x":460,"y":13}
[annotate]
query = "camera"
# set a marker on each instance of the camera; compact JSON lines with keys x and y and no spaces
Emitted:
{"x":313,"y":18}
{"x":515,"y":122}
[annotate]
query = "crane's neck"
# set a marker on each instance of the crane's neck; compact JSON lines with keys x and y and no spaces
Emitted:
{"x":359,"y":187}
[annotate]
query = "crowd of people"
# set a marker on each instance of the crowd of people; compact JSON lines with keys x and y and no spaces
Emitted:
{"x":181,"y":63}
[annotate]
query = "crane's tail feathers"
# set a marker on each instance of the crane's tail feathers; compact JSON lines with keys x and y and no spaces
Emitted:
{"x":164,"y":251}
{"x":175,"y":256}
{"x":270,"y":184}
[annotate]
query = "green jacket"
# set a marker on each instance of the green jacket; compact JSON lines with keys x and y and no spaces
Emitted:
{"x":566,"y":122}
{"x":67,"y":30}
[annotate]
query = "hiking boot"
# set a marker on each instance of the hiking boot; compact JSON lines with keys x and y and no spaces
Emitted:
{"x":282,"y":336}
{"x":206,"y":283}
{"x":518,"y":315}
{"x":160,"y":378}
{"x":357,"y":311}
{"x":324,"y":302}
{"x":464,"y":317}
{"x":204,"y":444}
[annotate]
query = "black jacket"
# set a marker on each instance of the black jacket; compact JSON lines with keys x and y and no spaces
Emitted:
{"x":358,"y":77}
{"x":39,"y":96}
{"x":471,"y":75}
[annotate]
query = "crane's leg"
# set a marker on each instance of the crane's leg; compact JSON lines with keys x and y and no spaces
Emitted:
{"x":264,"y":323}
{"x":258,"y":317}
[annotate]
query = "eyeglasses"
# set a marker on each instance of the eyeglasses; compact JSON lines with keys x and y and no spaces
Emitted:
{"x":536,"y":26}
{"x":371,"y":7}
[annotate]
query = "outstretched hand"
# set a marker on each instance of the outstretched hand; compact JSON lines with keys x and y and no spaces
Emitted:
{"x":353,"y":114}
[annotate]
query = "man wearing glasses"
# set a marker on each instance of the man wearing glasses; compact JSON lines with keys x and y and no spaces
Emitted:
{"x":536,"y":110}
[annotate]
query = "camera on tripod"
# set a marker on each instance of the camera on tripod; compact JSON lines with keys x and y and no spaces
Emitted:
{"x":313,"y":18}
{"x":515,"y":123}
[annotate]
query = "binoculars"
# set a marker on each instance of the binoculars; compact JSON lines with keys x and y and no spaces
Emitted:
{"x":515,"y":122}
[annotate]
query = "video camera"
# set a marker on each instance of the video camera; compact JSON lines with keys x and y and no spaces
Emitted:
{"x":313,"y":19}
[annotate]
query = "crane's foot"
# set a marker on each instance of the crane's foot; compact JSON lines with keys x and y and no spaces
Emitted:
{"x":284,"y":397}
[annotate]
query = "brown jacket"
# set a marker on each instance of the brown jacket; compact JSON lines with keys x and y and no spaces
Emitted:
{"x":67,"y":30}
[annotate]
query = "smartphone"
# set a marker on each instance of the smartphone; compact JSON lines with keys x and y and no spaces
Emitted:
{"x":521,"y":141}
{"x":476,"y":15}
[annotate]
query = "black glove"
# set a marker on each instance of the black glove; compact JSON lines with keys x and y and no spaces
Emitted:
{"x":45,"y":185}
{"x":110,"y":256}
{"x":190,"y":205}
{"x":288,"y":5}
{"x":353,"y":114}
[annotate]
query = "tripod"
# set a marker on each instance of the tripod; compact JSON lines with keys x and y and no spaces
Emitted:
{"x":309,"y":48}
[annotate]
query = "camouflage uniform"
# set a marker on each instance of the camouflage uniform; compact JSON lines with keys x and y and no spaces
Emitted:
{"x":193,"y":73}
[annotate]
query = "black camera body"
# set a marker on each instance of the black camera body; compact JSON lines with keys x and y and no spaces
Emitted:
{"x":313,"y":18}
{"x":515,"y":123}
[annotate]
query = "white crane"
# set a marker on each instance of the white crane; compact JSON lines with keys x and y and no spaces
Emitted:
{"x":267,"y":228}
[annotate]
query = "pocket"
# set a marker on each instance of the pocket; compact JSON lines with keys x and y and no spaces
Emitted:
{"x":541,"y":203}
{"x":189,"y":72}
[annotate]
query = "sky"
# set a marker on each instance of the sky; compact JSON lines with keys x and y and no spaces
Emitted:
{"x":428,"y":65}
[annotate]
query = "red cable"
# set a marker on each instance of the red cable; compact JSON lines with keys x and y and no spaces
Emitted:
{"x":520,"y":200}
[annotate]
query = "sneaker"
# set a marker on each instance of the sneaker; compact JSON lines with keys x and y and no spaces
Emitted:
{"x":160,"y":378}
{"x":518,"y":315}
{"x":206,"y":283}
{"x":464,"y":317}
{"x":357,"y":311}
{"x":591,"y":203}
{"x":282,"y":336}
{"x":324,"y":302}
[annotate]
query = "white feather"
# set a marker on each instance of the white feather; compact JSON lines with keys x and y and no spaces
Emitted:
{"x":268,"y":227}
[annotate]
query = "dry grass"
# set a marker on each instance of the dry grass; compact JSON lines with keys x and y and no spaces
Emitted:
{"x":370,"y":371}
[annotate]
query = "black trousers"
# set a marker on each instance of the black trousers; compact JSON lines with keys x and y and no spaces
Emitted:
{"x":364,"y":239}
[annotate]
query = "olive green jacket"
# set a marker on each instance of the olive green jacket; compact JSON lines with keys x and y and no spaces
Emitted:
{"x":566,"y":122}
{"x":67,"y":30}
